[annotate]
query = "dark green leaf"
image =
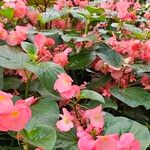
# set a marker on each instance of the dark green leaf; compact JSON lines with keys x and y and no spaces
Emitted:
{"x":41,"y":136}
{"x":11,"y":83}
{"x":1,"y":78}
{"x":132,"y":96}
{"x":99,"y":82}
{"x":44,"y":112}
{"x":81,"y":60}
{"x":108,"y":55}
{"x":66,"y":141}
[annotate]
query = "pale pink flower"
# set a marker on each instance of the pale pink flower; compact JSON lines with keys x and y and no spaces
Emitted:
{"x":86,"y":143}
{"x":6,"y":103}
{"x":122,"y":8}
{"x":63,"y":83}
{"x":95,"y":116}
{"x":107,"y":142}
{"x":61,"y":58}
{"x":29,"y":101}
{"x":65,"y":124}
{"x":127,"y":142}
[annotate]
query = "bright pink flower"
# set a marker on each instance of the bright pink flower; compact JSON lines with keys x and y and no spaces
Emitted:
{"x":65,"y":124}
{"x":3,"y":33}
{"x":63,"y":83}
{"x":86,"y":143}
{"x":6,"y":103}
{"x":128,"y":142}
{"x":122,"y":8}
{"x":20,"y":9}
{"x":61,"y":58}
{"x":107,"y":142}
{"x":95,"y":116}
{"x":17,"y":119}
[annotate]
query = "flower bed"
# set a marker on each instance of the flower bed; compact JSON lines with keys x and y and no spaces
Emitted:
{"x":74,"y":74}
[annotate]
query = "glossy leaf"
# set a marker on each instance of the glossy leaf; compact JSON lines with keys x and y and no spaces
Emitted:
{"x":41,"y":136}
{"x":12,"y":58}
{"x":47,"y":73}
{"x":44,"y":112}
{"x":81,"y":60}
{"x":132,"y":96}
{"x":88,"y":94}
{"x":108,"y":55}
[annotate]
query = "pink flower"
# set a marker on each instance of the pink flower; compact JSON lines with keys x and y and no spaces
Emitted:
{"x":95,"y":116}
{"x":42,"y":43}
{"x":107,"y":142}
{"x":64,"y":86}
{"x":61,"y":58}
{"x":16,"y":37}
{"x":128,"y":142}
{"x":6,"y":103}
{"x":63,"y":83}
{"x":17,"y":119}
{"x":122,"y":8}
{"x":13,"y":38}
{"x":3,"y":33}
{"x":29,"y":101}
{"x":20,"y":9}
{"x":86,"y":143}
{"x":65,"y":124}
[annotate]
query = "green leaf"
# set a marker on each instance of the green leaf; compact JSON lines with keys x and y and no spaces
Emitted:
{"x":30,"y":49}
{"x":49,"y":15}
{"x":44,"y":112}
{"x":66,"y":140}
{"x":132,"y":96}
{"x":109,"y":103}
{"x":47,"y":73}
{"x":95,"y":10}
{"x":123,"y":125}
{"x":7,"y":12}
{"x":81,"y":60}
{"x":99,"y":82}
{"x":12,"y":58}
{"x":11,"y":83}
{"x":141,"y":68}
{"x":108,"y":55}
{"x":88,"y":94}
{"x":1,"y":78}
{"x":41,"y":136}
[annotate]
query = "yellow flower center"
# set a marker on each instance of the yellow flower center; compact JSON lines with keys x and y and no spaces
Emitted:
{"x":65,"y":120}
{"x":15,"y":114}
{"x":2,"y":98}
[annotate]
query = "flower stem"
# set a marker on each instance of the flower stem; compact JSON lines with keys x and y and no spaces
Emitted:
{"x":29,"y":77}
